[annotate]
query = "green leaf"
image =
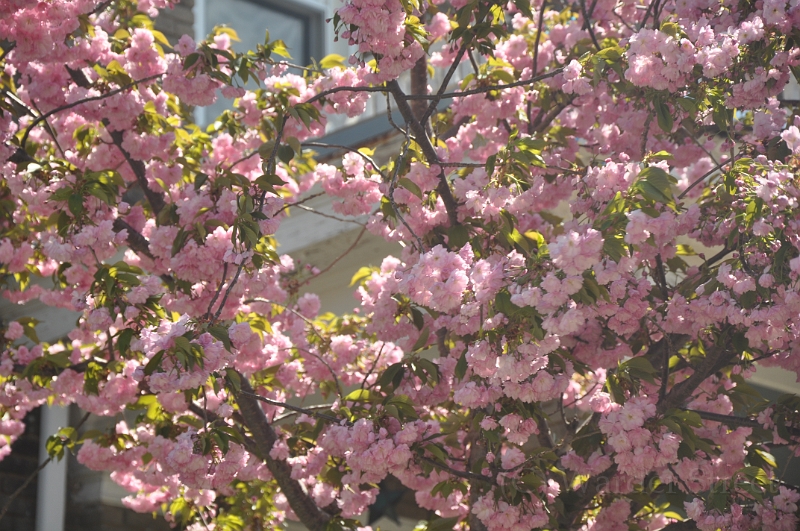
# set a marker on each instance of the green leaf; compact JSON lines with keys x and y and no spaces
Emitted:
{"x":333,"y":60}
{"x":75,"y":204}
{"x":220,"y":333}
{"x":612,"y":54}
{"x":437,"y":452}
{"x":359,"y":395}
{"x":154,"y":363}
{"x":233,"y":380}
{"x":442,"y":524}
{"x":461,"y":366}
{"x":389,"y":375}
{"x":409,"y":185}
{"x":664,"y":117}
{"x":615,"y":248}
{"x":457,"y":236}
{"x":422,"y":340}
{"x":361,"y":275}
{"x":285,"y":153}
{"x":431,"y":368}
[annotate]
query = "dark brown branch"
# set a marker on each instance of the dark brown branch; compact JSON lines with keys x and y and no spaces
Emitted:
{"x":284,"y":405}
{"x":543,"y":120}
{"x":662,"y":277}
{"x":447,"y":77}
{"x":136,"y":242}
{"x":228,"y":291}
{"x":716,"y":357}
{"x":735,"y":421}
{"x":646,"y":15}
{"x":587,"y":24}
{"x":481,"y":90}
{"x":458,"y":473}
{"x":57,"y":110}
{"x":686,"y":525}
{"x":539,"y":26}
{"x":419,"y":85}
{"x":427,"y":149}
{"x":155,"y":199}
{"x":588,"y":491}
{"x":656,"y":353}
{"x":265,"y":438}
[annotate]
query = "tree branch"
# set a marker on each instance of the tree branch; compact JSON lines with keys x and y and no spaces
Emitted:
{"x":440,"y":93}
{"x":57,"y":110}
{"x":682,"y":391}
{"x":155,"y":199}
{"x":587,"y":24}
{"x":481,"y":90}
{"x":136,"y":242}
{"x":265,"y":438}
{"x":427,"y":148}
{"x":458,"y":473}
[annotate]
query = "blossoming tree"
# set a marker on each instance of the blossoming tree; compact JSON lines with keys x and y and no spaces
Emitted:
{"x":515,"y":367}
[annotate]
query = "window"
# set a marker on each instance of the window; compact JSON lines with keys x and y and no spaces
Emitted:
{"x":299,"y":25}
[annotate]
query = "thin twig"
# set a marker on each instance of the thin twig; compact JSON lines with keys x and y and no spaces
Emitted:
{"x":345,"y":253}
{"x":701,"y":146}
{"x":481,"y":90}
{"x":228,"y":292}
{"x":705,"y":175}
{"x":300,"y":201}
{"x":458,"y":473}
{"x":57,"y":110}
{"x":284,"y":405}
{"x":422,"y":139}
{"x":588,"y":25}
{"x":389,"y":116}
{"x":390,"y":196}
{"x":372,"y":367}
{"x":364,"y":156}
{"x":440,"y":93}
{"x":293,"y":413}
{"x":646,"y":132}
{"x":329,"y":216}
{"x":291,"y":310}
{"x":646,"y":16}
{"x":539,"y":26}
{"x":328,"y":92}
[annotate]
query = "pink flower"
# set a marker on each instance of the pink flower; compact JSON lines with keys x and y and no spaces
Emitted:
{"x":15,"y":331}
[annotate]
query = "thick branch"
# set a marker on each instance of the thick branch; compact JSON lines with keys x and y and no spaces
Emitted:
{"x":427,"y":149}
{"x":136,"y":241}
{"x":419,"y":85}
{"x":655,"y":354}
{"x":155,"y":199}
{"x":716,"y":357}
{"x":477,"y":453}
{"x":733,"y":421}
{"x":265,"y":437}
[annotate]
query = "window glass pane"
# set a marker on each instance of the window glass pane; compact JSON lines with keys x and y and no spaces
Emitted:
{"x":251,"y":20}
